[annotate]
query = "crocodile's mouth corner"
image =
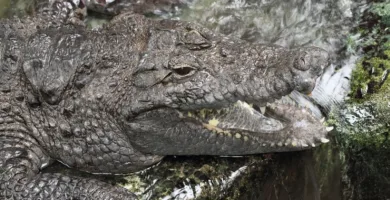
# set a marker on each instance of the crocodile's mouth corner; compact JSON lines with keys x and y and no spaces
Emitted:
{"x":276,"y":124}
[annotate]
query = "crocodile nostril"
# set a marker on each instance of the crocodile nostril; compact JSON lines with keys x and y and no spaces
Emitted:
{"x":302,"y":62}
{"x":311,"y":58}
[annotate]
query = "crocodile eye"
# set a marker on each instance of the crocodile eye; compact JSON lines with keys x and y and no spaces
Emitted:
{"x":184,"y":70}
{"x":183,"y":66}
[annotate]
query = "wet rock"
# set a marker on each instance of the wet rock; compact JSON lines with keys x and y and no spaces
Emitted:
{"x":362,"y":132}
{"x":363,"y":124}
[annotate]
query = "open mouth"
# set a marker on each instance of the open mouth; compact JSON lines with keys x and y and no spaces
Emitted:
{"x":282,"y":123}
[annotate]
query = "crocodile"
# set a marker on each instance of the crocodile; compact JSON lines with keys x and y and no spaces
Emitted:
{"x":117,"y":99}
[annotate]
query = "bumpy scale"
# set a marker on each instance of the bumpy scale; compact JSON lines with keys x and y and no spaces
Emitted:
{"x":117,"y":99}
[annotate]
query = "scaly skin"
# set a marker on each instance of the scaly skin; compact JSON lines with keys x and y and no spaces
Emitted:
{"x":118,"y":99}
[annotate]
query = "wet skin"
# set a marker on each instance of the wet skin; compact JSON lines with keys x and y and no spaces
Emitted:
{"x":117,"y":99}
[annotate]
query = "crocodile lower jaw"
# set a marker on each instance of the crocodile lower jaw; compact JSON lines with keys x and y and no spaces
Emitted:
{"x":247,"y":122}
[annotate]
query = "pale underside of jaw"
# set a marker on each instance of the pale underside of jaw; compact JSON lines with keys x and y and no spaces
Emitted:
{"x":249,"y":122}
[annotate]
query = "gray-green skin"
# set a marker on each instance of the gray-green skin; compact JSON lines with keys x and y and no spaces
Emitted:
{"x":115,"y":100}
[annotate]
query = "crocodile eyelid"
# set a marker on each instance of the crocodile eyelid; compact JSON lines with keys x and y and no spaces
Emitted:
{"x":184,"y":70}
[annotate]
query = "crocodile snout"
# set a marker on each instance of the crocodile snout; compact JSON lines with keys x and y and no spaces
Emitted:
{"x":309,"y":64}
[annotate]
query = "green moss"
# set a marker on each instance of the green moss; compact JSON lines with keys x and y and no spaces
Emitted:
{"x":368,"y":77}
{"x":360,"y":79}
{"x":383,"y":11}
{"x":387,"y":47}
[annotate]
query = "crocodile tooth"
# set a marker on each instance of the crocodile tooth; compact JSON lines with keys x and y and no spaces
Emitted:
{"x":280,"y":144}
{"x":324,"y":140}
{"x":294,"y":143}
{"x":262,"y":109}
{"x":304,"y":144}
{"x":329,"y":128}
{"x":287,"y":142}
{"x":313,"y":145}
{"x":322,"y":120}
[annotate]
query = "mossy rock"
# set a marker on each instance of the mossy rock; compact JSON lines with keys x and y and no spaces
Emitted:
{"x":372,"y":70}
{"x":362,"y":133}
{"x":362,"y":126}
{"x":370,"y":75}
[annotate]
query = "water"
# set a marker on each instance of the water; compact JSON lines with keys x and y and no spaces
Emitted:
{"x":293,"y":23}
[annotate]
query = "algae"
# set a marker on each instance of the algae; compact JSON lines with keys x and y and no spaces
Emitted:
{"x":370,"y":75}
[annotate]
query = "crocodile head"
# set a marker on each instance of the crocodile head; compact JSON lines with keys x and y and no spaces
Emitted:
{"x":196,"y":92}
